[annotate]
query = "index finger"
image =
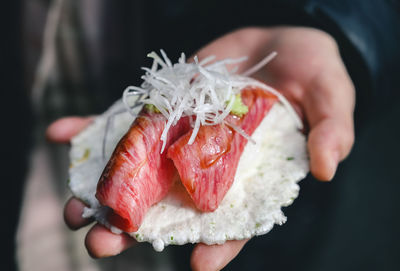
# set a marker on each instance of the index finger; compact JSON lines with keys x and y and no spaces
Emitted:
{"x":62,"y":130}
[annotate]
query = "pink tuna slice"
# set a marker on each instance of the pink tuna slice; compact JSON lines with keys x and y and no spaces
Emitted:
{"x":137,"y":175}
{"x":208,"y":166}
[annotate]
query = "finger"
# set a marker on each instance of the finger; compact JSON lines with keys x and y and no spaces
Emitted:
{"x":215,"y":257}
{"x":73,"y":214}
{"x":101,"y":242}
{"x":329,"y":109}
{"x":329,"y":142}
{"x":62,"y":130}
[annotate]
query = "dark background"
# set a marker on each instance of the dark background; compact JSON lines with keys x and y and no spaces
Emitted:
{"x":16,"y":131}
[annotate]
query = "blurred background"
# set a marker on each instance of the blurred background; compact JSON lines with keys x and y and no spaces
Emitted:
{"x":70,"y":57}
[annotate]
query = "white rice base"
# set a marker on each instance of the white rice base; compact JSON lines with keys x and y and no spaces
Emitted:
{"x":266,"y":180}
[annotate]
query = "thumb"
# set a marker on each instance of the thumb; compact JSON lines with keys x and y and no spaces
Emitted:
{"x":329,"y":107}
{"x":329,"y":142}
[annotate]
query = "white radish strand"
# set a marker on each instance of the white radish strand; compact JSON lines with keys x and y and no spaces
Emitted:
{"x":240,"y":131}
{"x":200,"y":90}
{"x":260,"y":64}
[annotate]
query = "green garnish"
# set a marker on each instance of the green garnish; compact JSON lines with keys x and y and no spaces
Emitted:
{"x":290,"y":158}
{"x":85,"y":156}
{"x":152,"y":108}
{"x":138,"y":237}
{"x":239,"y":109}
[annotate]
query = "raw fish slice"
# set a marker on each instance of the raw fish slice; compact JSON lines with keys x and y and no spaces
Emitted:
{"x":207,"y":167}
{"x":138,"y":175}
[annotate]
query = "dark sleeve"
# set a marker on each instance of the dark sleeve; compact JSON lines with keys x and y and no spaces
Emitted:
{"x":368,"y":34}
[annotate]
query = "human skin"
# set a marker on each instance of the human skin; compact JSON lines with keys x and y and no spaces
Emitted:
{"x":308,"y":71}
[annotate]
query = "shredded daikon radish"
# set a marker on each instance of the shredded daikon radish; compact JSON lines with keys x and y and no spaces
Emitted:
{"x":260,"y":64}
{"x":203,"y":91}
{"x":240,"y":131}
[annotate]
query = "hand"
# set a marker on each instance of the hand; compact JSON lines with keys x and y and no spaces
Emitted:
{"x":308,"y":71}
